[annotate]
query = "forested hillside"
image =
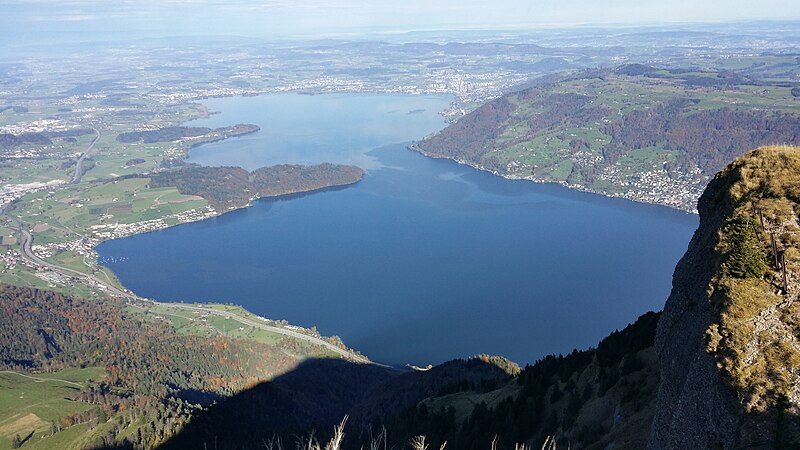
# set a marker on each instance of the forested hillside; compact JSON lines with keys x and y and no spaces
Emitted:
{"x":587,"y":399}
{"x":233,"y":187}
{"x":717,"y":367}
{"x":638,"y":132}
{"x":312,"y":399}
{"x":45,"y":330}
{"x":158,"y":374}
{"x":157,"y":378}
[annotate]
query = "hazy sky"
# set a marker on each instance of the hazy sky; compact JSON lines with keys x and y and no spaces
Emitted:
{"x":286,"y":18}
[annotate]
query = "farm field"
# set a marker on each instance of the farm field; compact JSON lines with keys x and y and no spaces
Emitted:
{"x":31,"y":403}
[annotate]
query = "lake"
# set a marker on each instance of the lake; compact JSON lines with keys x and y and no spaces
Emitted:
{"x":422,"y":261}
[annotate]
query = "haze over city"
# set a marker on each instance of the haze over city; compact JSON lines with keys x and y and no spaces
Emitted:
{"x":413,"y":224}
{"x":24,"y":19}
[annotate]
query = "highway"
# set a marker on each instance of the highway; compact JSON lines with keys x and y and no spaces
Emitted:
{"x":76,"y":177}
{"x":27,"y":253}
{"x":25,"y":249}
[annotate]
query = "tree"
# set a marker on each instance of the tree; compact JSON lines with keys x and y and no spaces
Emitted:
{"x":745,"y":259}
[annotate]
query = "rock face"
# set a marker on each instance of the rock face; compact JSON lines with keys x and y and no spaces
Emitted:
{"x":695,"y":409}
{"x":717,"y":361}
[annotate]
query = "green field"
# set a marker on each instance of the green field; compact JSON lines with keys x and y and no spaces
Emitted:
{"x":209,"y":325}
{"x":31,"y":405}
{"x":190,"y":322}
{"x":72,"y":211}
{"x":68,"y":214}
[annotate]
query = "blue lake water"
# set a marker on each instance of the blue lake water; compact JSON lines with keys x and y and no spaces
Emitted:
{"x":422,"y":261}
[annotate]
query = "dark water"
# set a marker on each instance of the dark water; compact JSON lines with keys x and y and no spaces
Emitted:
{"x":422,"y":261}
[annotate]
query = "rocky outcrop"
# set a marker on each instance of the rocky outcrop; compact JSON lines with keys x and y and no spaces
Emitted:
{"x":727,"y":338}
{"x":694,"y":410}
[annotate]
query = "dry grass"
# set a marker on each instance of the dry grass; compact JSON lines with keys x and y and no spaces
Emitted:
{"x":378,"y":443}
{"x":755,"y":336}
{"x":768,"y":172}
{"x":23,"y":425}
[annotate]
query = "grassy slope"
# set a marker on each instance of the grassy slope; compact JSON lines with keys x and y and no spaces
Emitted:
{"x":28,"y":405}
{"x":50,"y":401}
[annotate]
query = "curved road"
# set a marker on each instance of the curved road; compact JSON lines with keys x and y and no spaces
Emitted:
{"x":27,"y":253}
{"x":284,"y":331}
{"x":39,"y":380}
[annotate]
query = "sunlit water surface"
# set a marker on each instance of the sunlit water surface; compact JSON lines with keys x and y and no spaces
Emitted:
{"x":422,"y":261}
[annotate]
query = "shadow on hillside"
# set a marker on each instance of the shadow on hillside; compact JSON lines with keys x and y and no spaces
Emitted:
{"x":315,"y":397}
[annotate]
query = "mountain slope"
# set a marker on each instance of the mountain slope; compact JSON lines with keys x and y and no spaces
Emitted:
{"x":637,"y":132}
{"x":590,"y":399}
{"x":718,"y":368}
{"x":725,"y":360}
{"x":155,"y":369}
{"x":727,"y":340}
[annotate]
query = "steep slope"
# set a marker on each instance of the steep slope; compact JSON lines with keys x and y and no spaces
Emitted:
{"x":725,"y":361}
{"x":719,"y":368}
{"x":727,"y":339}
{"x":591,"y":399}
{"x":646,"y":134}
{"x":314,"y":397}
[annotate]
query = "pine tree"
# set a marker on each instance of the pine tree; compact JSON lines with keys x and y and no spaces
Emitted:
{"x":745,"y":259}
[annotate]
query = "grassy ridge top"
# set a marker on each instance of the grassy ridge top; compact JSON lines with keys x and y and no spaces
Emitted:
{"x":754,"y":336}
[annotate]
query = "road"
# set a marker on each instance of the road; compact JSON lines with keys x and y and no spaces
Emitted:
{"x":37,"y":379}
{"x":284,"y":331}
{"x":27,"y":253}
{"x":76,"y":178}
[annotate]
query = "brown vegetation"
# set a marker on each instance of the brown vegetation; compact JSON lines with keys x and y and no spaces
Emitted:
{"x":153,"y":372}
{"x":755,"y":335}
{"x":708,"y":139}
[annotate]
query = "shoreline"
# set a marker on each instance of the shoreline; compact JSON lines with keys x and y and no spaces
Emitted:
{"x":103,"y":280}
{"x":578,"y":188}
{"x":247,"y":317}
{"x":212,"y":213}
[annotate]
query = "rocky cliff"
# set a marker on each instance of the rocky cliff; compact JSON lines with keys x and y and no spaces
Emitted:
{"x":727,"y":339}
